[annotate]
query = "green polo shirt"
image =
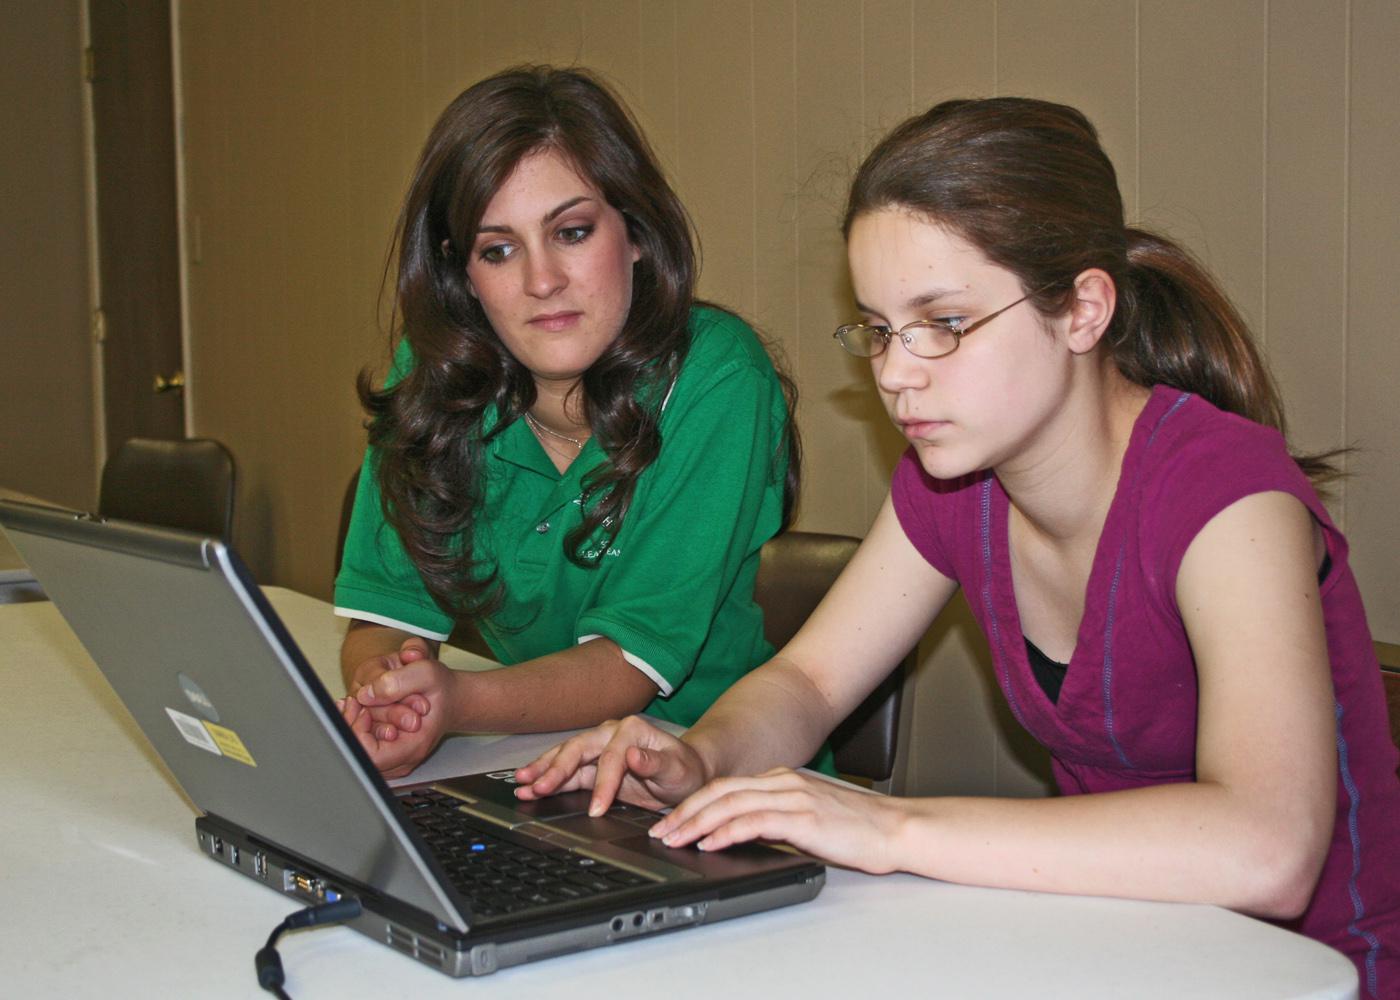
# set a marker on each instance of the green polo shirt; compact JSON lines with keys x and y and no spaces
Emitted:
{"x":675,"y":589}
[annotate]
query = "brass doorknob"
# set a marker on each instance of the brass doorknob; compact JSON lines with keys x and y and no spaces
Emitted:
{"x":172,"y":384}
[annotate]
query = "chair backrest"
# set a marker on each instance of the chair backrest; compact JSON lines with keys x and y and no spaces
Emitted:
{"x":177,"y":484}
{"x":347,"y":507}
{"x":795,"y":571}
{"x":1391,"y":679}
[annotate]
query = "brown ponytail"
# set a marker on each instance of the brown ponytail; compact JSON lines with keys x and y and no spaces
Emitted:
{"x":1027,"y":183}
{"x":1174,"y":326}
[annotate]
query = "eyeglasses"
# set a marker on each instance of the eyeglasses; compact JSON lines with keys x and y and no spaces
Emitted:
{"x":923,"y":338}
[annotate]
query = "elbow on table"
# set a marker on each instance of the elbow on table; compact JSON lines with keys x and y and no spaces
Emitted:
{"x":1283,"y":877}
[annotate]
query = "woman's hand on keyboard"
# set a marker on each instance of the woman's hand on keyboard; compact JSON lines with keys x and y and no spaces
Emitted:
{"x":628,"y":759}
{"x":830,"y":820}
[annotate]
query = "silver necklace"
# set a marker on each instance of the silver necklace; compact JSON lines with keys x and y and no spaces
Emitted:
{"x":540,"y":428}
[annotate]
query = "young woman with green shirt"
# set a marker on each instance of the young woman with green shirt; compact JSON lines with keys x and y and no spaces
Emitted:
{"x":569,"y":451}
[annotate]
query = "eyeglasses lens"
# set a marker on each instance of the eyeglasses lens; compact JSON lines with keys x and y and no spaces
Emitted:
{"x":926,"y":340}
{"x":929,"y":340}
{"x":860,"y":340}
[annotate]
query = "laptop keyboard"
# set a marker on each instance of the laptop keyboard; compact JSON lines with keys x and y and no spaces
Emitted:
{"x":500,"y":873}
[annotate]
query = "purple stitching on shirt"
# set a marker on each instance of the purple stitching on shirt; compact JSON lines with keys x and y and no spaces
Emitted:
{"x":987,"y":599}
{"x":1108,"y":661}
{"x":1113,"y":607}
{"x":1354,"y":832}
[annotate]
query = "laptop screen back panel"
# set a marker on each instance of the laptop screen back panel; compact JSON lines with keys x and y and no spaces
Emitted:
{"x":210,"y":675}
{"x":240,"y":720}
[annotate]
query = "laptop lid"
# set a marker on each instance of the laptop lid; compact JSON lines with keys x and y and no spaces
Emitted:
{"x":200,"y":659}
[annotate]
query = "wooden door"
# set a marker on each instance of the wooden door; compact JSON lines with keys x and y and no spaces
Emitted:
{"x":130,"y":69}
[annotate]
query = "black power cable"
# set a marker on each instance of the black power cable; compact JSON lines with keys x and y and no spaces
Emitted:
{"x":269,"y":963}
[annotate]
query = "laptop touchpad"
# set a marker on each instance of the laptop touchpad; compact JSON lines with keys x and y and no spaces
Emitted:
{"x":596,"y":828}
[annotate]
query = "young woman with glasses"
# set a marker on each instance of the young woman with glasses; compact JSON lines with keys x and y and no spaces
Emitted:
{"x":1097,"y":458}
{"x":569,"y":451}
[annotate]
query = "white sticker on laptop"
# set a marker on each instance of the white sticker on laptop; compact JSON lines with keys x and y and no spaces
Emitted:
{"x":193,"y":731}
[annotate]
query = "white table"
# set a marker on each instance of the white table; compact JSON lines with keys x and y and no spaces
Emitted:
{"x":107,"y":895}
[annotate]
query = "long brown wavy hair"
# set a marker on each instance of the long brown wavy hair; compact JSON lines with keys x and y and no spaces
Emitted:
{"x":427,"y":427}
{"x":1027,"y":183}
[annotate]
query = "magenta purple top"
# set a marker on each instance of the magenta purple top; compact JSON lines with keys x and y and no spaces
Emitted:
{"x":1126,"y":714}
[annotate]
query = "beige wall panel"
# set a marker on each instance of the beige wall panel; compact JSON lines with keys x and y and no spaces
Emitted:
{"x":1373,"y":305}
{"x":312,"y":324}
{"x":1202,"y":113}
{"x":296,"y":166}
{"x":1304,"y":323}
{"x":886,"y":53}
{"x":658,"y":104}
{"x":543,"y":31}
{"x":47,"y":445}
{"x":955,"y":50}
{"x":831,"y":137}
{"x":714,"y":170}
{"x":612,"y":43}
{"x":775,"y":138}
{"x":1083,"y":54}
{"x":451,"y":57}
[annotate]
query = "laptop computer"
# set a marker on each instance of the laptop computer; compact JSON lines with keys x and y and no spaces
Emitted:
{"x":456,"y":873}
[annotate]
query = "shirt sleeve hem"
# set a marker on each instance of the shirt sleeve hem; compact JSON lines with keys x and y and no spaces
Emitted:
{"x":370,"y":616}
{"x":663,"y":685}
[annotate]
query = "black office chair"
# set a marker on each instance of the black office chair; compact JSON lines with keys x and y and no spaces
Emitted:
{"x":1390,"y":678}
{"x":795,"y":571}
{"x":178,"y":484}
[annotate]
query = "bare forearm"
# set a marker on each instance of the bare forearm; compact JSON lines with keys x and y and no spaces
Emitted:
{"x":576,"y":687}
{"x":792,"y":720}
{"x":1192,"y":842}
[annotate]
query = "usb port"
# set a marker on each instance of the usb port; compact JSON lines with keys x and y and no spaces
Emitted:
{"x":216,"y":844}
{"x":260,"y":865}
{"x":233,"y":854}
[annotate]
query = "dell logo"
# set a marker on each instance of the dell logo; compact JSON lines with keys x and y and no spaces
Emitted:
{"x":195,"y":695}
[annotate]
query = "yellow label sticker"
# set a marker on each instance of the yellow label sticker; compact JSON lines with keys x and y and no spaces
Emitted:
{"x":230,"y":744}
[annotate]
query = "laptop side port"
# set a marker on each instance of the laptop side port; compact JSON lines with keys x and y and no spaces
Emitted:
{"x":260,"y":865}
{"x":300,"y":884}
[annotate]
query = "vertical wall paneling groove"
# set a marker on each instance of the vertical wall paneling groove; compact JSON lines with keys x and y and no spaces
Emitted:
{"x":1346,"y":252}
